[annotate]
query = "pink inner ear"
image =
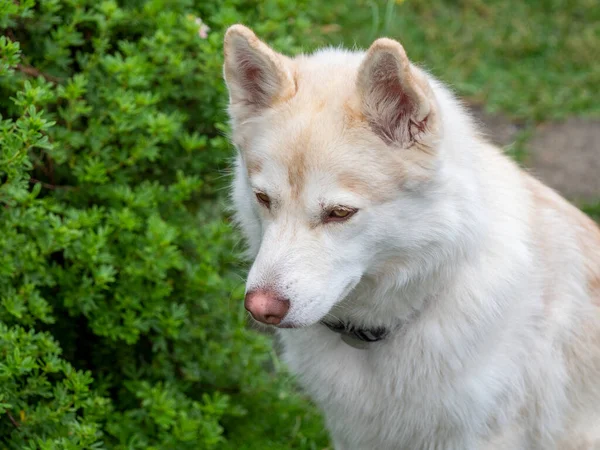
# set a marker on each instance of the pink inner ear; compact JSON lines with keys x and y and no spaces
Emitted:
{"x":390,"y":107}
{"x":253,"y":78}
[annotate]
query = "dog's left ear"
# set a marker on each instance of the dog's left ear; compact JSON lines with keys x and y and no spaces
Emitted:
{"x":396,"y":101}
{"x":256,"y":75}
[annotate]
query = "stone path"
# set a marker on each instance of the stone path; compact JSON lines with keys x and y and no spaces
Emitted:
{"x":565,"y":155}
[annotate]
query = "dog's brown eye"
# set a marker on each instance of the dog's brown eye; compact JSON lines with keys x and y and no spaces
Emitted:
{"x":263,"y":198}
{"x":339,"y":214}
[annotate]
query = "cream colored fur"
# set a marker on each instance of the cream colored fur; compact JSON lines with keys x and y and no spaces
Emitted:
{"x":489,"y":281}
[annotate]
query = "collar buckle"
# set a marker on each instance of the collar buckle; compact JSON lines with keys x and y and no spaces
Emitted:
{"x":359,"y":338}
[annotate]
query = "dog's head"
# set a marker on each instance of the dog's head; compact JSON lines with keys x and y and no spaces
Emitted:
{"x":338,"y":153}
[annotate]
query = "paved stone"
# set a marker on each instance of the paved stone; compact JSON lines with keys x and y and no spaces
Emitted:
{"x":497,"y":128}
{"x":564,"y":155}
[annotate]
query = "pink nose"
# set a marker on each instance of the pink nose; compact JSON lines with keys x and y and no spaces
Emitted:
{"x":266,"y":306}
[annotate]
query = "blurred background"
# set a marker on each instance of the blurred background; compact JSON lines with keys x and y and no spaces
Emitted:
{"x":121,"y":282}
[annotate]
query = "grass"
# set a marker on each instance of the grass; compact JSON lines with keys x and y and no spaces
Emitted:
{"x":592,"y":209}
{"x":531,"y":60}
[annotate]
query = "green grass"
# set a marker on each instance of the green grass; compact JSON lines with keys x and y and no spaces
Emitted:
{"x":592,"y":209}
{"x":529,"y":59}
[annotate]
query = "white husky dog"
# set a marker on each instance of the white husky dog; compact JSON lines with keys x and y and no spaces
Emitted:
{"x":429,"y":294}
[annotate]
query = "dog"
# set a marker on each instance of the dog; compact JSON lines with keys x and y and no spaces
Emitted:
{"x":428,"y":292}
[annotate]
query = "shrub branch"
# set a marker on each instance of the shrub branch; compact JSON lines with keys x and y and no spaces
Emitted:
{"x":12,"y":419}
{"x":33,"y":72}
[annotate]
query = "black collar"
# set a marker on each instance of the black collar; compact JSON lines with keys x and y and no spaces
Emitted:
{"x":357,"y":337}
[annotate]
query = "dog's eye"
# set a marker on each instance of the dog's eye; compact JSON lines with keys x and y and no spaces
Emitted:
{"x":339,"y":214}
{"x":263,"y":198}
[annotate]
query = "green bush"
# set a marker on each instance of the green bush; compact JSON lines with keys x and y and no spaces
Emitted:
{"x":121,"y":324}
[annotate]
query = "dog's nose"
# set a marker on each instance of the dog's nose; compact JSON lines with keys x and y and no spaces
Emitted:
{"x":266,"y":306}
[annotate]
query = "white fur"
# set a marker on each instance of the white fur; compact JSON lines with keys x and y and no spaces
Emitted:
{"x":494,"y":341}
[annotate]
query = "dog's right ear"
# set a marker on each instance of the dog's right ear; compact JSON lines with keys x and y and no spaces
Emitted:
{"x":256,"y":76}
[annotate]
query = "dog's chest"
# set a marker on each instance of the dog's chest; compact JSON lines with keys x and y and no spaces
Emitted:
{"x":382,"y":397}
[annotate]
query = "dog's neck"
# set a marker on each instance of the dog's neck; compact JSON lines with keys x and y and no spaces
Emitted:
{"x":389,"y":301}
{"x":369,"y":317}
